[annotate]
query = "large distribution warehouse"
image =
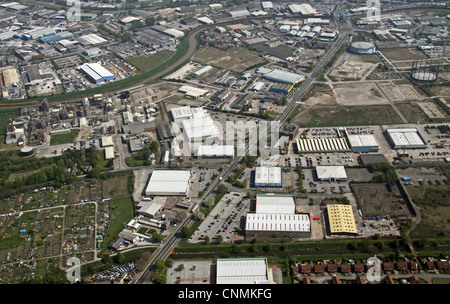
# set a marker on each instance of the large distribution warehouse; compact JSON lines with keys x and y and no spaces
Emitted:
{"x":242,"y":271}
{"x":270,"y":177}
{"x":406,"y":138}
{"x":320,"y":145}
{"x":275,"y":216}
{"x":363,"y":143}
{"x":168,"y":183}
{"x":95,"y":72}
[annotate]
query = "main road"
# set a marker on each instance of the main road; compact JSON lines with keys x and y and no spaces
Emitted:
{"x":170,"y":242}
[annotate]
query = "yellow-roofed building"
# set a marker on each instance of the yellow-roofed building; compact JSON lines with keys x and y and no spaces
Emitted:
{"x":341,"y":219}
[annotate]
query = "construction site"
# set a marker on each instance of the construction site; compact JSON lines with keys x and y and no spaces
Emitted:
{"x":382,"y":199}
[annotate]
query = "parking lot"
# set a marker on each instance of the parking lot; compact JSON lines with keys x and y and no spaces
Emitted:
{"x":228,"y":214}
{"x":191,"y":272}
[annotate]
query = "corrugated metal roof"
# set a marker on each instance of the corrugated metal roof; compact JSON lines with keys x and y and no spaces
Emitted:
{"x":242,"y":271}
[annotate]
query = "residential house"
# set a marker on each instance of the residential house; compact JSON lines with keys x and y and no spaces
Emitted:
{"x":346,"y":268}
{"x":388,"y":266}
{"x":332,"y":268}
{"x":319,"y":269}
{"x":429,"y":266}
{"x":358,"y":268}
{"x":305,"y":268}
{"x":402,"y":266}
{"x":414,"y":280}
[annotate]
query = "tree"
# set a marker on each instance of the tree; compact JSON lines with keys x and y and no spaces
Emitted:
{"x":185,"y":232}
{"x":94,"y":173}
{"x":160,"y":279}
{"x":206,"y":239}
{"x":160,"y":264}
{"x":219,"y":239}
{"x":119,"y":258}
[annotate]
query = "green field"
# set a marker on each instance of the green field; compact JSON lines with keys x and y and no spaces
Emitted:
{"x":433,"y":204}
{"x":145,"y":63}
{"x":121,"y":213}
{"x":64,"y":138}
{"x":346,"y":116}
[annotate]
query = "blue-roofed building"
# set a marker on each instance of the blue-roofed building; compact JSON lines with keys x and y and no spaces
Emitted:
{"x":55,"y":38}
{"x":95,"y":72}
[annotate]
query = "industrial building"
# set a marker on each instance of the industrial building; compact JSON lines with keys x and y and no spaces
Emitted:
{"x":107,"y":141}
{"x":268,"y":177}
{"x":283,"y":225}
{"x":202,"y":70}
{"x":341,"y":219}
{"x":91,"y":39}
{"x":284,"y":77}
{"x":275,"y":203}
{"x":275,"y":215}
{"x":331,"y":173}
{"x":363,"y":143}
{"x":242,"y":271}
{"x":96,"y":73}
{"x":217,"y":151}
{"x":362,"y":47}
{"x":149,"y":209}
{"x":199,"y":129}
{"x":192,"y":92}
{"x":302,"y":9}
{"x":109,"y":153}
{"x":10,"y":77}
{"x":283,"y":88}
{"x":406,"y":138}
{"x":168,"y":183}
{"x":238,"y":13}
{"x":181,"y":113}
{"x":164,"y":132}
{"x":322,"y":145}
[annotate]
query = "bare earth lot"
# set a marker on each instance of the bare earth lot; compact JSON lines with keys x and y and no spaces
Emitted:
{"x":235,"y":59}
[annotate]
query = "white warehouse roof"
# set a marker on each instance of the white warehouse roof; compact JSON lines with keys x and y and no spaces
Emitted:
{"x":275,"y":204}
{"x":91,"y":39}
{"x":192,"y":91}
{"x":331,"y":172}
{"x":268,"y":176}
{"x":205,"y":20}
{"x":304,"y":9}
{"x":406,"y":138}
{"x":107,"y":141}
{"x":278,"y":222}
{"x":201,"y":127}
{"x":242,"y":271}
{"x":284,"y":76}
{"x":362,"y":140}
{"x":168,"y":182}
{"x":215,"y":151}
{"x":96,"y":71}
{"x":109,"y":152}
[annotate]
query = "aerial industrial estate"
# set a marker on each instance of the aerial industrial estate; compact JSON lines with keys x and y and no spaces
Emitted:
{"x":240,"y":142}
